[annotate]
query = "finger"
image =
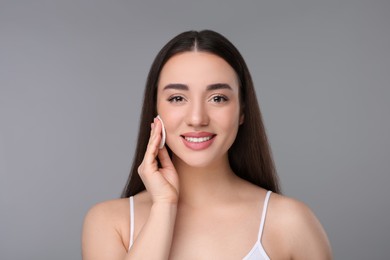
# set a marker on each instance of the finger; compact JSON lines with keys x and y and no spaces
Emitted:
{"x":164,"y":158}
{"x":154,"y":140}
{"x":168,"y":170}
{"x":157,"y":131}
{"x":152,"y":125}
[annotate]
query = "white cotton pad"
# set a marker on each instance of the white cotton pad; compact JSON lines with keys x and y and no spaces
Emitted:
{"x":162,"y":142}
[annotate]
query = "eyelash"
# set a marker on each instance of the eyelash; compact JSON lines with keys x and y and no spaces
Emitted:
{"x":219,"y":98}
{"x":174,"y":99}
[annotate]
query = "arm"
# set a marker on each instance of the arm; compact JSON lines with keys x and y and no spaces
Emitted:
{"x":155,"y":238}
{"x":101,"y":235}
{"x":101,"y":238}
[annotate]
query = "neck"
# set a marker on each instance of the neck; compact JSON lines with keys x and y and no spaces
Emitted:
{"x":209,"y":184}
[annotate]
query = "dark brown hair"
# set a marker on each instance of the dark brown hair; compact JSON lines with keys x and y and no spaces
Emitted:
{"x":250,"y":155}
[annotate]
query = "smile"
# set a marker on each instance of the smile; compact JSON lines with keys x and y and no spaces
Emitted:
{"x":197,"y":139}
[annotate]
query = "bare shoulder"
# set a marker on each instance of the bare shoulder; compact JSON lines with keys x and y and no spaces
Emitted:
{"x":106,"y":230}
{"x":297,"y":226}
{"x":109,"y":212}
{"x":291,"y":210}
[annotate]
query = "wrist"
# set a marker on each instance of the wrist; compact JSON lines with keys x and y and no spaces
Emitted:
{"x":164,"y":204}
{"x":164,"y":210}
{"x":165,"y":200}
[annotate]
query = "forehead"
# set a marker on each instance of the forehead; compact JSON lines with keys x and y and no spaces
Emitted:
{"x":197,"y":68}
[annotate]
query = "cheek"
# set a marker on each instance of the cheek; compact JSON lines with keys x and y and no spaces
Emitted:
{"x":172,"y":119}
{"x":229,"y":118}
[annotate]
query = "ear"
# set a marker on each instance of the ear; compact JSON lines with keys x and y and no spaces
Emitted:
{"x":242,"y":117}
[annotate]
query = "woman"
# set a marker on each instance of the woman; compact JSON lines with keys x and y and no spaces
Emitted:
{"x":212,"y":191}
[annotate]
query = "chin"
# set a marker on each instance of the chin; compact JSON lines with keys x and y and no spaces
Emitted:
{"x":209,"y":157}
{"x":199,"y":160}
{"x":198,"y":164}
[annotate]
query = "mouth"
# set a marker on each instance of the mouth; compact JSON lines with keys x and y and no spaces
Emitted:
{"x":198,"y":140}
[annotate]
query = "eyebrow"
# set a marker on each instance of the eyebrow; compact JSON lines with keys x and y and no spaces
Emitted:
{"x":219,"y":86}
{"x":176,"y":86}
{"x":210,"y":87}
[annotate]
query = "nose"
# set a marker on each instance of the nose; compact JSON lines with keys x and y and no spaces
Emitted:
{"x":197,"y":115}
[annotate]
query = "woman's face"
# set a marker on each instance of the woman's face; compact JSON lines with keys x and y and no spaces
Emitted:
{"x":198,"y":101}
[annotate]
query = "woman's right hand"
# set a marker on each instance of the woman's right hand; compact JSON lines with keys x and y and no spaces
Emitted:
{"x":162,"y":183}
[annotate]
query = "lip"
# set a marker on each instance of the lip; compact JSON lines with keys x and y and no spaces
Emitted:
{"x":198,"y":134}
{"x":201,"y":145}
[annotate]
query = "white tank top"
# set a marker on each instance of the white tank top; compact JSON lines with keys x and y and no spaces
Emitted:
{"x":256,"y":253}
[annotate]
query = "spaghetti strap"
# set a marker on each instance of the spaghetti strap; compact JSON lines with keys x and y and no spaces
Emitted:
{"x":131,"y":199}
{"x":263,"y":214}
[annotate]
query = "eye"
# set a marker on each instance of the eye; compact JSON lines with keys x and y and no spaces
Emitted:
{"x":175,"y":99}
{"x":219,"y":99}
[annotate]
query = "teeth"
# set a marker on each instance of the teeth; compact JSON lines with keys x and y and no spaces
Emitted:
{"x":197,"y":140}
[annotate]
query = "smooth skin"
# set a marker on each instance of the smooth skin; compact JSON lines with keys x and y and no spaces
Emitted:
{"x":194,"y":206}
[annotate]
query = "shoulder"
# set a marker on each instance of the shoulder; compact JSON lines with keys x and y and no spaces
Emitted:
{"x":291,"y":210}
{"x":106,"y":229}
{"x":111,"y":211}
{"x":300,"y":230}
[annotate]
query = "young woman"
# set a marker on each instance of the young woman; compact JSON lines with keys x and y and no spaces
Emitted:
{"x":212,"y":191}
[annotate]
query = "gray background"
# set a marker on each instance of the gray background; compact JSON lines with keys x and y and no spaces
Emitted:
{"x":71,"y":80}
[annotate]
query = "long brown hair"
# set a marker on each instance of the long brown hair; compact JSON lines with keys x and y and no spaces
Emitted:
{"x":250,"y":155}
